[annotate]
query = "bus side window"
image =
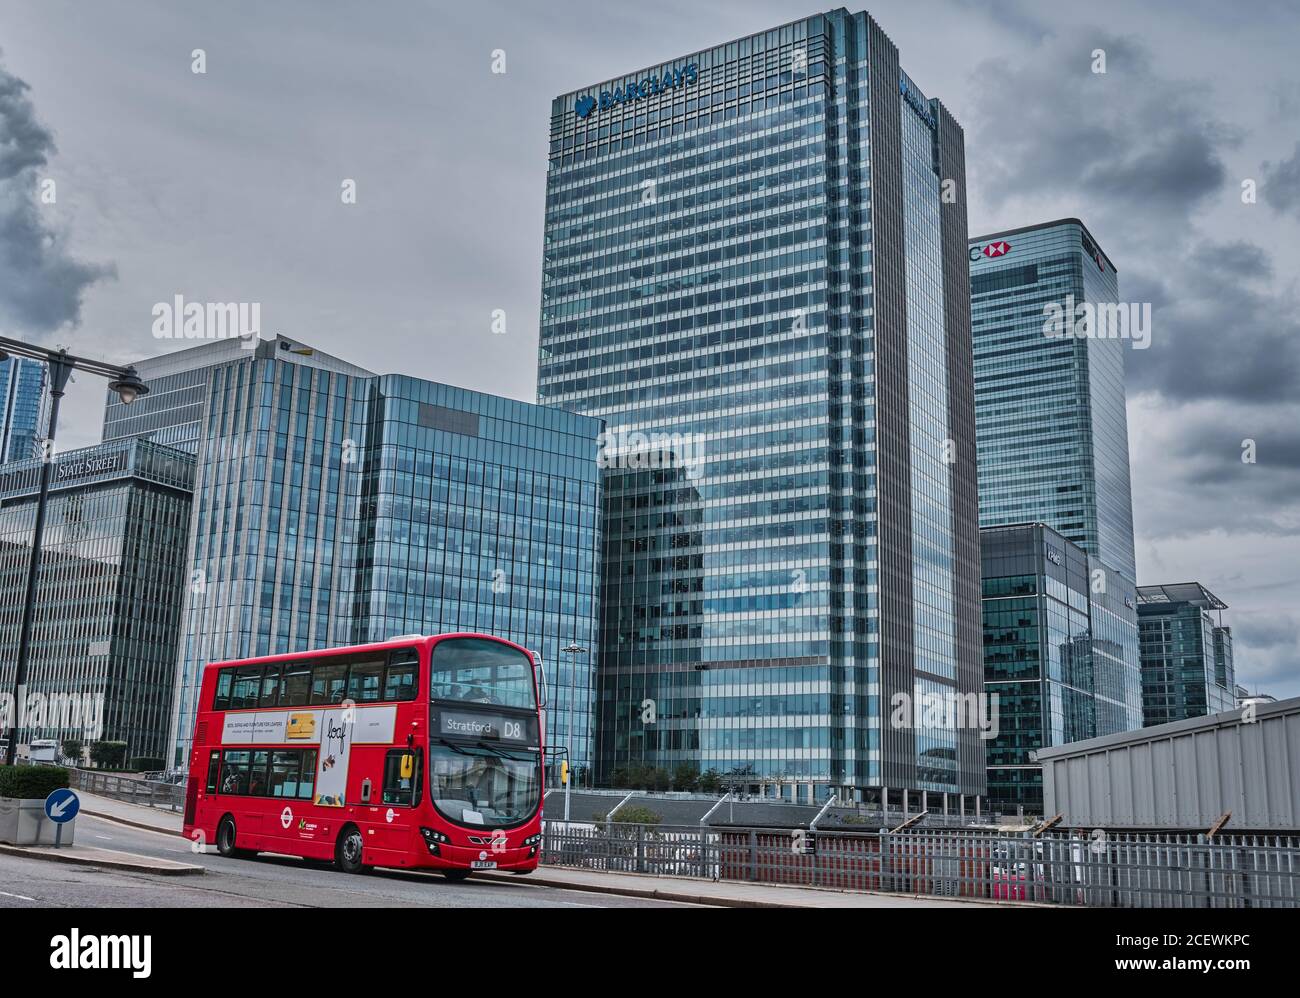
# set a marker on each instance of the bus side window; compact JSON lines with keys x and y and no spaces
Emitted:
{"x":234,"y":772}
{"x":214,"y":768}
{"x":399,"y":680}
{"x":222,"y":699}
{"x":270,"y":687}
{"x":257,"y":775}
{"x":246,"y":688}
{"x":364,"y":680}
{"x":402,"y":777}
{"x":307,"y":780}
{"x":328,"y":682}
{"x":295,"y":688}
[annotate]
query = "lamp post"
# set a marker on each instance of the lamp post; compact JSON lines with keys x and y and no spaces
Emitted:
{"x":573,"y":651}
{"x":61,"y":364}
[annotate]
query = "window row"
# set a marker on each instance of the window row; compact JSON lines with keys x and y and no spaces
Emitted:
{"x":363,"y":678}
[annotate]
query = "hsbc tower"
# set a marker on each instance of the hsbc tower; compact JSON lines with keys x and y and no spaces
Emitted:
{"x":1050,"y":410}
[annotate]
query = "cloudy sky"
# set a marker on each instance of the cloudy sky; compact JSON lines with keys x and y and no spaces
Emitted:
{"x":225,"y":186}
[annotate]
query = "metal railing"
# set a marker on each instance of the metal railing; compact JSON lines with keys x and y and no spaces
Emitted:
{"x":1115,"y":870}
{"x":137,"y":791}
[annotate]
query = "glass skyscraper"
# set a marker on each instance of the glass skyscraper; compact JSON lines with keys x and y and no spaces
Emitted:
{"x":1050,"y":410}
{"x":1187,"y":668}
{"x":24,"y":407}
{"x":755,"y":270}
{"x":333,"y":506}
{"x":103,"y":654}
{"x":1059,"y":654}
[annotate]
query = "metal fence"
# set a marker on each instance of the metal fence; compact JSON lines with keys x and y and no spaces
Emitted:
{"x":137,"y":791}
{"x":1109,"y":871}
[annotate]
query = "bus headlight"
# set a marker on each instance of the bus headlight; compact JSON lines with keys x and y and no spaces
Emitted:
{"x":433,"y":839}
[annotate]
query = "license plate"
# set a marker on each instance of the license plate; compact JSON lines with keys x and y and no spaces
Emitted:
{"x":483,"y":864}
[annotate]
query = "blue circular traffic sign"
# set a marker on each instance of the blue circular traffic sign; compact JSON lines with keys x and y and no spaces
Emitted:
{"x":61,"y":806}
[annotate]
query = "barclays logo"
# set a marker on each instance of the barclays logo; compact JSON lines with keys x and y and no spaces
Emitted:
{"x":651,"y":86}
{"x":921,"y":108}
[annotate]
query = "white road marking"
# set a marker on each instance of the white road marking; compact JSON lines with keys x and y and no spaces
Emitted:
{"x":20,"y":897}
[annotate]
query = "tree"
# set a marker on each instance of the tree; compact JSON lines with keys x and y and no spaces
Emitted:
{"x":108,"y":755}
{"x":685,"y":776}
{"x":72,"y":749}
{"x":710,"y":781}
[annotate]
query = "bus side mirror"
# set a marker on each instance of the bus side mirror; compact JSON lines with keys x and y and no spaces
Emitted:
{"x":408,"y":766}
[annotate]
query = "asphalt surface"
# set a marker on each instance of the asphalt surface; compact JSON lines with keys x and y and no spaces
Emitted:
{"x":266,"y":881}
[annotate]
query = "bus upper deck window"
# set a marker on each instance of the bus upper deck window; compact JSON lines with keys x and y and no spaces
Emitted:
{"x":222,"y":699}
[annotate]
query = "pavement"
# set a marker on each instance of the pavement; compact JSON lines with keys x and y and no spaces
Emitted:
{"x":728,"y":894}
{"x":104,"y":859}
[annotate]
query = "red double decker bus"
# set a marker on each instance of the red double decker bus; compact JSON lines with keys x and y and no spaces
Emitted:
{"x":414,"y":752}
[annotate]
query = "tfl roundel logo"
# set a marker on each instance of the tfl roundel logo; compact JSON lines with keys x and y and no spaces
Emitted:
{"x":991,"y":250}
{"x":584,"y":105}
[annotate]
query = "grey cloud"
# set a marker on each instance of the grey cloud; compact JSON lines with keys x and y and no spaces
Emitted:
{"x":1214,"y":334}
{"x":1281,"y":186}
{"x":1266,"y":651}
{"x":41,"y":285}
{"x":1047,"y":125}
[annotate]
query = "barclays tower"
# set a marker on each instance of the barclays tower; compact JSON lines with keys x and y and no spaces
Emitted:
{"x":755,"y":271}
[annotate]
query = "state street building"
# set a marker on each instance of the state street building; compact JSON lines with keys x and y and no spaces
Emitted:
{"x":108,"y":603}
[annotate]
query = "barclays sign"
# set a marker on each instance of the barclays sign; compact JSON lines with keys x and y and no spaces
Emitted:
{"x":915,"y":103}
{"x":651,"y":86}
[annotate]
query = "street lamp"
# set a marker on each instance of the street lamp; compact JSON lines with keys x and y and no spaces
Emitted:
{"x":123,"y":380}
{"x":573,"y":650}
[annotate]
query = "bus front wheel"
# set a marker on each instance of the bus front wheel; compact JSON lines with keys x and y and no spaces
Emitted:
{"x":456,"y":876}
{"x":347,"y":851}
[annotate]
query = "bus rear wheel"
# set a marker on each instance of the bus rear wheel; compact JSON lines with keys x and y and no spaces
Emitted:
{"x":456,"y":876}
{"x":226,"y":839}
{"x":347,"y":850}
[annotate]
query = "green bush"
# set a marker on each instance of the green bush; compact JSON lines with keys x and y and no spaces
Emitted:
{"x":72,"y":749}
{"x":633,"y":814}
{"x":31,"y":782}
{"x":147,"y":763}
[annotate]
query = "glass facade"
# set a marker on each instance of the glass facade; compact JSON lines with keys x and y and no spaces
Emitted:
{"x":103,"y":654}
{"x":334,"y":506}
{"x":484,"y":516}
{"x":1050,"y":411}
{"x":1187,"y":668}
{"x":1060,"y":654}
{"x":24,"y":407}
{"x":751,"y":272}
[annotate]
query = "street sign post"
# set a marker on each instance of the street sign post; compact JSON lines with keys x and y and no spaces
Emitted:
{"x":61,"y":806}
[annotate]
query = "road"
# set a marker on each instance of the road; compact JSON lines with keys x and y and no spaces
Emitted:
{"x":266,"y":881}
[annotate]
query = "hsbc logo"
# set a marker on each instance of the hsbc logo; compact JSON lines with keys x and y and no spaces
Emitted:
{"x":991,"y":250}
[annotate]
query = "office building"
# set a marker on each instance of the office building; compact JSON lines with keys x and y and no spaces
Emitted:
{"x":1049,"y":401}
{"x":334,"y":506}
{"x":1187,"y":668}
{"x":755,"y":271}
{"x":24,"y":407}
{"x":108,"y":606}
{"x":1060,"y":654}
